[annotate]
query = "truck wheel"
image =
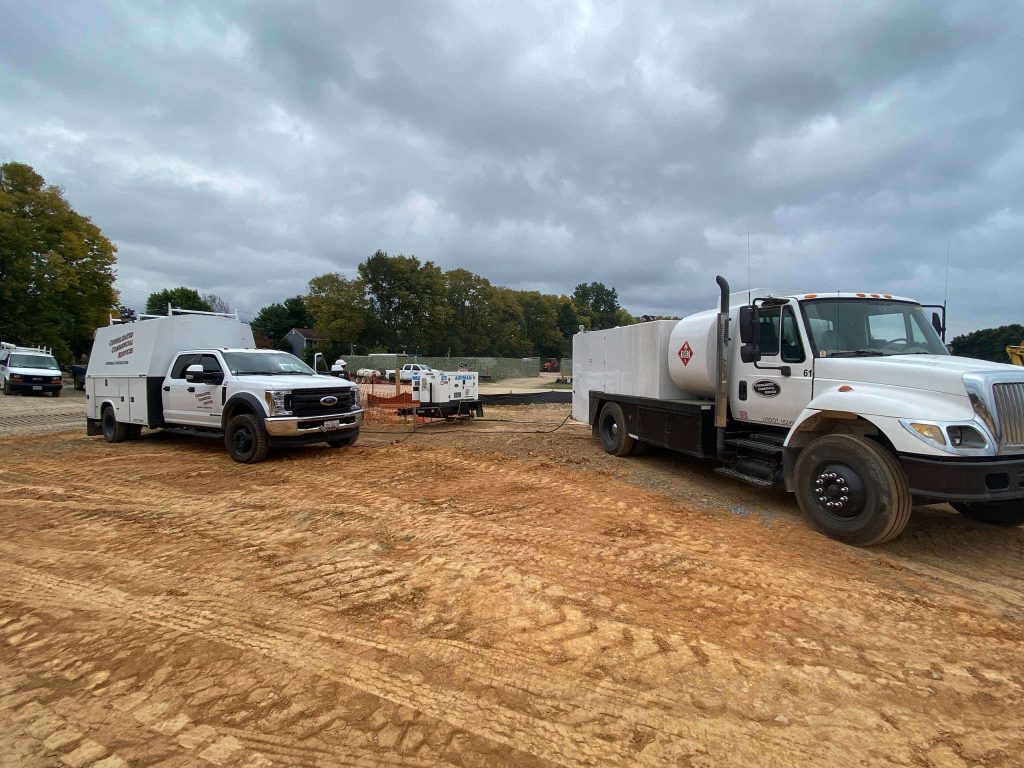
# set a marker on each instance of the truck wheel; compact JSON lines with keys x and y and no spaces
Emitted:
{"x":245,"y":439}
{"x":341,"y":442}
{"x":113,"y":430}
{"x":852,"y":489}
{"x":56,"y":393}
{"x":1003,"y":513}
{"x":7,"y":387}
{"x":611,"y":425}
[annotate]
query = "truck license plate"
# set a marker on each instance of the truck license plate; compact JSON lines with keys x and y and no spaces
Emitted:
{"x":333,"y":424}
{"x":37,"y":387}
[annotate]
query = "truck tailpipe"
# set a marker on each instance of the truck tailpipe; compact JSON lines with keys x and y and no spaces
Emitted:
{"x":722,"y":382}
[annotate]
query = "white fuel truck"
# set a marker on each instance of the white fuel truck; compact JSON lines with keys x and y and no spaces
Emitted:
{"x":849,"y":400}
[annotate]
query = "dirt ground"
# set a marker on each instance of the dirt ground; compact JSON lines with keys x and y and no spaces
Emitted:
{"x":481,"y":595}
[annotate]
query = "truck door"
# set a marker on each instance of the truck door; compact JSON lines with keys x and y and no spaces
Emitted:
{"x":194,"y":403}
{"x":761,"y":392}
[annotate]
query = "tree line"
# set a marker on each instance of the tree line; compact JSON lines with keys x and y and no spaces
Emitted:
{"x":396,"y":303}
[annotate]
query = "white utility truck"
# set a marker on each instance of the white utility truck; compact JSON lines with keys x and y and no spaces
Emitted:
{"x":849,"y":400}
{"x":29,"y":370}
{"x":201,"y":371}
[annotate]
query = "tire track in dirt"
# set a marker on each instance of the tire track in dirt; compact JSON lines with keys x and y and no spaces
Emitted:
{"x":535,"y":610}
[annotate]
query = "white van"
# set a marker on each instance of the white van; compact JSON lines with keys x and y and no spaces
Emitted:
{"x":200,"y":371}
{"x":29,"y":370}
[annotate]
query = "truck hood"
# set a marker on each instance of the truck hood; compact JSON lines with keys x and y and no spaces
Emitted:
{"x":933,"y":373}
{"x":288,"y":383}
{"x":22,"y":371}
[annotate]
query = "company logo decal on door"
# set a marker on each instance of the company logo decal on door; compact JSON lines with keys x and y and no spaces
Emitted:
{"x":766,"y":388}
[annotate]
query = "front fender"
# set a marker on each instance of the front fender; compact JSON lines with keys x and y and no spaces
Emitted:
{"x":248,"y":399}
{"x":883,"y":406}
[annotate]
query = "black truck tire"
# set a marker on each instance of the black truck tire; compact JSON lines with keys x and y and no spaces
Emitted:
{"x":55,"y":393}
{"x":7,"y":387}
{"x":611,"y":426}
{"x":852,"y":489}
{"x":245,"y":439}
{"x":113,"y":430}
{"x":341,"y":442}
{"x":1003,"y":513}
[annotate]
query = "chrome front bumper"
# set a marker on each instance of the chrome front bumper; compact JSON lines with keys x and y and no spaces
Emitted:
{"x":297,"y":426}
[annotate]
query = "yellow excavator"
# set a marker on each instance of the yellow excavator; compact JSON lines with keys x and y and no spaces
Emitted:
{"x":1016,"y":353}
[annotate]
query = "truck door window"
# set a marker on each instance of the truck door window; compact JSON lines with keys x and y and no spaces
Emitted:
{"x":768,"y":331}
{"x":210,"y":364}
{"x":792,"y":345}
{"x":183,"y":362}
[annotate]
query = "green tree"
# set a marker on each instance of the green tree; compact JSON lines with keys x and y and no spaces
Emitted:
{"x":597,"y":306}
{"x":539,"y":323}
{"x":56,"y":267}
{"x":275,"y":320}
{"x":338,"y":306}
{"x":988,"y":343}
{"x":406,"y":303}
{"x":469,"y":300}
{"x":179,"y":298}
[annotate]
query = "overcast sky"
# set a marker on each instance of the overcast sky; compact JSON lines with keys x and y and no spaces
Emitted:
{"x":243,"y":149}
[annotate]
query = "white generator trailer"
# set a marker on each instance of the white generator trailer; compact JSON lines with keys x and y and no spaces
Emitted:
{"x":447,"y":393}
{"x":201,"y":371}
{"x":849,"y":400}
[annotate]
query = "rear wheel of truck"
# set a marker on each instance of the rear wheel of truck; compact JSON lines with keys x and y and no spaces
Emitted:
{"x":1004,"y":513}
{"x":341,"y":442}
{"x":113,"y":430}
{"x":245,"y":439}
{"x":611,"y":425}
{"x":852,"y":489}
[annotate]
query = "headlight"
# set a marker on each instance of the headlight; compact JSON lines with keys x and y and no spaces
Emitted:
{"x":964,"y":436}
{"x":56,"y":380}
{"x":277,"y":402}
{"x":355,"y":397}
{"x":15,"y":377}
{"x":928,"y":432}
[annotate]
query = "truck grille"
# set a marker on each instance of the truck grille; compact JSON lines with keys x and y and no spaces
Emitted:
{"x":306,"y":402}
{"x":1010,"y":407}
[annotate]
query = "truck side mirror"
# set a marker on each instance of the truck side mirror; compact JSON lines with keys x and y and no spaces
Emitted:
{"x":748,"y":325}
{"x":937,"y":323}
{"x":213,"y":377}
{"x":749,"y":353}
{"x":194,"y":374}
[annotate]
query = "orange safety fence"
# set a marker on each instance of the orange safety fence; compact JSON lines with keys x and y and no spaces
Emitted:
{"x":382,"y":399}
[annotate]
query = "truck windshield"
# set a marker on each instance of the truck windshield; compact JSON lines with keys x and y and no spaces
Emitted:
{"x":855,"y":327}
{"x":33,"y":361}
{"x":266,"y":364}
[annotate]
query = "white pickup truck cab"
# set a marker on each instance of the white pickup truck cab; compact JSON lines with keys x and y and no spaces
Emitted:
{"x":153,"y":373}
{"x":410,"y":372}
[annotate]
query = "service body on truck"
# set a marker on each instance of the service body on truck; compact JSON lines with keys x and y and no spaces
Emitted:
{"x":200,"y":371}
{"x":849,"y":400}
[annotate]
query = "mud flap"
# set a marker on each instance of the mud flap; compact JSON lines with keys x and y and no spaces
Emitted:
{"x":93,"y":427}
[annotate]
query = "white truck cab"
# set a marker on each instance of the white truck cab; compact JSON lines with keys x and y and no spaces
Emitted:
{"x":410,"y":372}
{"x":156,"y":372}
{"x":849,"y":400}
{"x":29,"y":370}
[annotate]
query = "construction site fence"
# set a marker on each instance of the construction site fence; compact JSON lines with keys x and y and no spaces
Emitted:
{"x":492,"y":368}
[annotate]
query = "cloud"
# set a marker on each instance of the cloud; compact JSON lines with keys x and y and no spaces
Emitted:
{"x":244,"y":148}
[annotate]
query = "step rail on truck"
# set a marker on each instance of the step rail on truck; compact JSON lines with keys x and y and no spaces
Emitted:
{"x":848,"y":400}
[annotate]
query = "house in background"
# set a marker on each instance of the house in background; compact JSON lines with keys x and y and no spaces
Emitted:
{"x":301,"y":339}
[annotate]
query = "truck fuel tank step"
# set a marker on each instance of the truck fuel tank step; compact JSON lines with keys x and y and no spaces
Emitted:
{"x":759,"y":482}
{"x":753,"y":445}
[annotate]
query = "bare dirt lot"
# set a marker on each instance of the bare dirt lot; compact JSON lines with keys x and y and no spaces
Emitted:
{"x":481,"y":596}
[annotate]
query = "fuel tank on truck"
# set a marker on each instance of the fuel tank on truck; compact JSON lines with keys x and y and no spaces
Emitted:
{"x":692,"y":354}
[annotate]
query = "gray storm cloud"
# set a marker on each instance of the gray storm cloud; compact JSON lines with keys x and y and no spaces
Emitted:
{"x":242,"y":149}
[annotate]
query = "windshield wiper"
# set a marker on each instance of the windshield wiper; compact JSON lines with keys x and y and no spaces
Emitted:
{"x":857,"y":353}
